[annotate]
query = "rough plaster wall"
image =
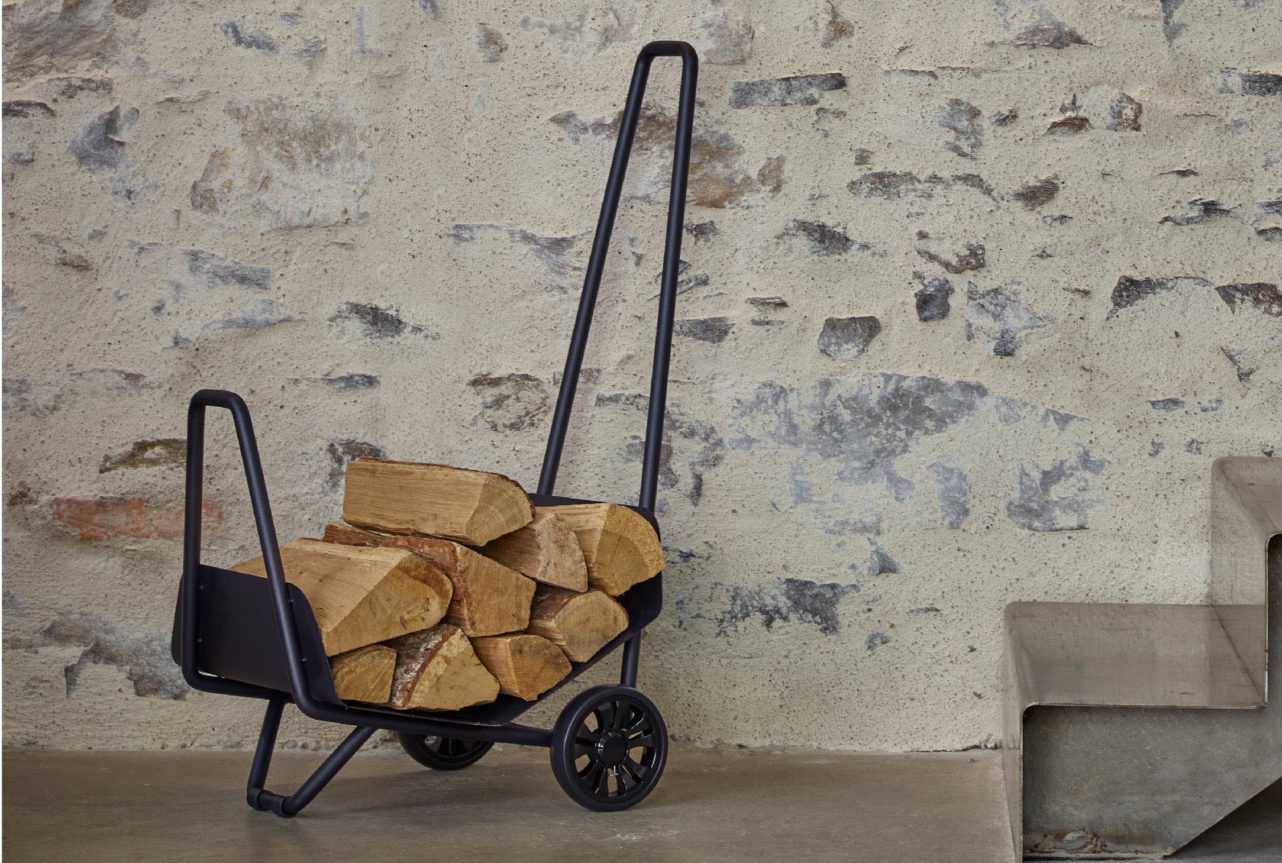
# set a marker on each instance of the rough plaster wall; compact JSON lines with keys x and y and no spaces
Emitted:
{"x":976,"y":292}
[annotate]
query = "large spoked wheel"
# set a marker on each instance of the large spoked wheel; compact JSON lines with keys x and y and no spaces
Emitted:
{"x":609,"y":747}
{"x":443,"y":753}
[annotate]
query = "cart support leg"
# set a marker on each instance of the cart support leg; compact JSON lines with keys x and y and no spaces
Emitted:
{"x":631,"y":656}
{"x":289,"y":806}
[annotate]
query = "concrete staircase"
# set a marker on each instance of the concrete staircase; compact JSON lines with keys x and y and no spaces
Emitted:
{"x":1131,"y":728}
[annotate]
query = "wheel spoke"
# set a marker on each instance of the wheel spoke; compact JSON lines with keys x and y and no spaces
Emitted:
{"x":590,"y":773}
{"x":637,"y":770}
{"x":602,"y":785}
{"x":619,"y":715}
{"x":625,"y":779}
{"x":645,"y":741}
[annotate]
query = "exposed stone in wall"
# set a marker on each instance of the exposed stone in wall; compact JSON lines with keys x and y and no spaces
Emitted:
{"x":111,"y":516}
{"x":147,"y":453}
{"x":512,"y":402}
{"x":1059,"y":496}
{"x":795,"y":90}
{"x":846,"y":338}
{"x":932,"y":298}
{"x":341,"y":452}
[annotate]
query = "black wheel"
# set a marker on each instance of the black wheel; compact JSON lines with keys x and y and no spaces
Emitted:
{"x":609,"y":747}
{"x":443,"y":753}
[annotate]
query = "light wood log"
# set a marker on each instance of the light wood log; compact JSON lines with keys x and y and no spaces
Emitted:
{"x":437,"y":669}
{"x":488,"y":598}
{"x":545,"y":550}
{"x":362,"y":595}
{"x":364,"y":674}
{"x":468,"y":506}
{"x":578,"y":623}
{"x":525,"y":665}
{"x":619,"y":546}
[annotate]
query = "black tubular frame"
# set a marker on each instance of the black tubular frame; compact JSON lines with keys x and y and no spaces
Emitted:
{"x":287,"y":604}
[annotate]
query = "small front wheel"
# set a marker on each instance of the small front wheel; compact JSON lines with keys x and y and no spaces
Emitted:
{"x":609,"y":748}
{"x":443,"y":753}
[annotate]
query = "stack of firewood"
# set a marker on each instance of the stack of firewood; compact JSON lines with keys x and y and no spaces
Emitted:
{"x":447,"y":586}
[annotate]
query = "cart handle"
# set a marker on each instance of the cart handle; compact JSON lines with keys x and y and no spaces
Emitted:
{"x":596,"y":264}
{"x":266,"y":540}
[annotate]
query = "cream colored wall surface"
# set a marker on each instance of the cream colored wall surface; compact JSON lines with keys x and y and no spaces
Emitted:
{"x":976,"y":293}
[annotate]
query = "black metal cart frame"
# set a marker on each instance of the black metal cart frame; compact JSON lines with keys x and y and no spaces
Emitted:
{"x":242,"y":635}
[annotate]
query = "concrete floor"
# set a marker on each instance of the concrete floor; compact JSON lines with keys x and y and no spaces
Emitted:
{"x":710,"y":806}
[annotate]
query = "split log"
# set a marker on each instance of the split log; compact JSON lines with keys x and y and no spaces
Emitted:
{"x":525,"y":665}
{"x":619,"y":546}
{"x":437,"y":669}
{"x":362,"y":595}
{"x":364,"y":674}
{"x":578,"y":623}
{"x":545,"y":550}
{"x":488,"y":598}
{"x":468,"y":506}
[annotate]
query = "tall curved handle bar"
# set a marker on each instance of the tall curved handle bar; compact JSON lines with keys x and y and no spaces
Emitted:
{"x":266,"y":540}
{"x":596,"y":264}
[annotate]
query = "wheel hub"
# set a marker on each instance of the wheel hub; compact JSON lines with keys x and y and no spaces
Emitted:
{"x":612,"y":748}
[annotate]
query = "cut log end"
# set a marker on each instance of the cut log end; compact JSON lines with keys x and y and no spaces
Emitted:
{"x":578,"y":623}
{"x":437,"y":669}
{"x":545,"y":550}
{"x":364,"y":674}
{"x":526,"y":665}
{"x":468,"y":506}
{"x":620,"y":547}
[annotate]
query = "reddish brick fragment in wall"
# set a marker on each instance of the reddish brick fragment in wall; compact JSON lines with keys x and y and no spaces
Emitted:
{"x":110,"y":516}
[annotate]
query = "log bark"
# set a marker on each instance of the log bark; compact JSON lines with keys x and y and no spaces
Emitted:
{"x":526,"y":665}
{"x":578,"y":623}
{"x":545,"y":550}
{"x":437,"y":669}
{"x":467,"y":506}
{"x":362,"y":595}
{"x":488,"y":598}
{"x":619,"y":546}
{"x":364,"y":674}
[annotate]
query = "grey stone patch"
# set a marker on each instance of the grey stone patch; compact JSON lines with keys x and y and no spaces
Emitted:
{"x":1058,"y":497}
{"x":511,"y":402}
{"x":778,"y":92}
{"x":22,"y":396}
{"x":953,"y":487}
{"x":27,"y":109}
{"x":863,"y":425}
{"x":1272,"y":235}
{"x":598,"y":29}
{"x":99,"y":145}
{"x":702,"y":232}
{"x":20,"y":157}
{"x":962,"y":119}
{"x":379,"y":322}
{"x":74,"y":85}
{"x":724,"y":38}
{"x":713,"y":330}
{"x":362,"y":23}
{"x":490,"y":43}
{"x":1171,"y":29}
{"x":835,"y":27}
{"x":1250,"y":83}
{"x":1005,"y":118}
{"x":785,"y":601}
{"x":312,"y":47}
{"x":1048,"y":32}
{"x":881,"y":563}
{"x":586,"y":376}
{"x":973,"y":257}
{"x":1124,"y":114}
{"x":932,"y":298}
{"x":157,"y":452}
{"x":925,"y":609}
{"x":876,"y":640}
{"x":1059,"y":419}
{"x":1000,"y":315}
{"x":847,"y":338}
{"x":702,"y":445}
{"x":341,"y":452}
{"x":1263,"y":296}
{"x":1129,"y":290}
{"x":826,"y":240}
{"x":216,"y":271}
{"x":1167,"y":405}
{"x":44,"y":38}
{"x":687,"y":280}
{"x":1196,"y":211}
{"x":1055,"y":220}
{"x":142,"y":654}
{"x":1182,"y":173}
{"x":717,"y":175}
{"x":894,"y":185}
{"x":343,"y":383}
{"x":1155,"y":448}
{"x":314,"y":153}
{"x":764,"y":308}
{"x":1035,"y":195}
{"x":64,"y":256}
{"x":1210,"y":406}
{"x":430,"y":8}
{"x":1243,"y":366}
{"x":1070,"y":125}
{"x":255,"y":315}
{"x":558,"y":254}
{"x":256,"y":40}
{"x":1193,"y":446}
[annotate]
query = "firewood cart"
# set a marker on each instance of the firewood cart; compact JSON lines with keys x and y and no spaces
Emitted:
{"x":238,"y":634}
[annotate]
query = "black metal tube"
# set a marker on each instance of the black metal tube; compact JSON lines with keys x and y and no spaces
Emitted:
{"x":596,"y":265}
{"x":293,"y":804}
{"x":263,"y":752}
{"x":631,"y":659}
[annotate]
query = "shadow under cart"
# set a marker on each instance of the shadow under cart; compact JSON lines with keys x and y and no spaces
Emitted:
{"x":242,"y":635}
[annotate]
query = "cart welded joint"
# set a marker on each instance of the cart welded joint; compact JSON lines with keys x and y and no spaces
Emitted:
{"x":239,"y":634}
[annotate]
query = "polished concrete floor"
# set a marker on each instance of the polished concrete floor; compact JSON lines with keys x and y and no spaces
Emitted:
{"x":711,"y":806}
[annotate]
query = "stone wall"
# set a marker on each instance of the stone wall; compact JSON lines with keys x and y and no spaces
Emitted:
{"x":975,"y":294}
